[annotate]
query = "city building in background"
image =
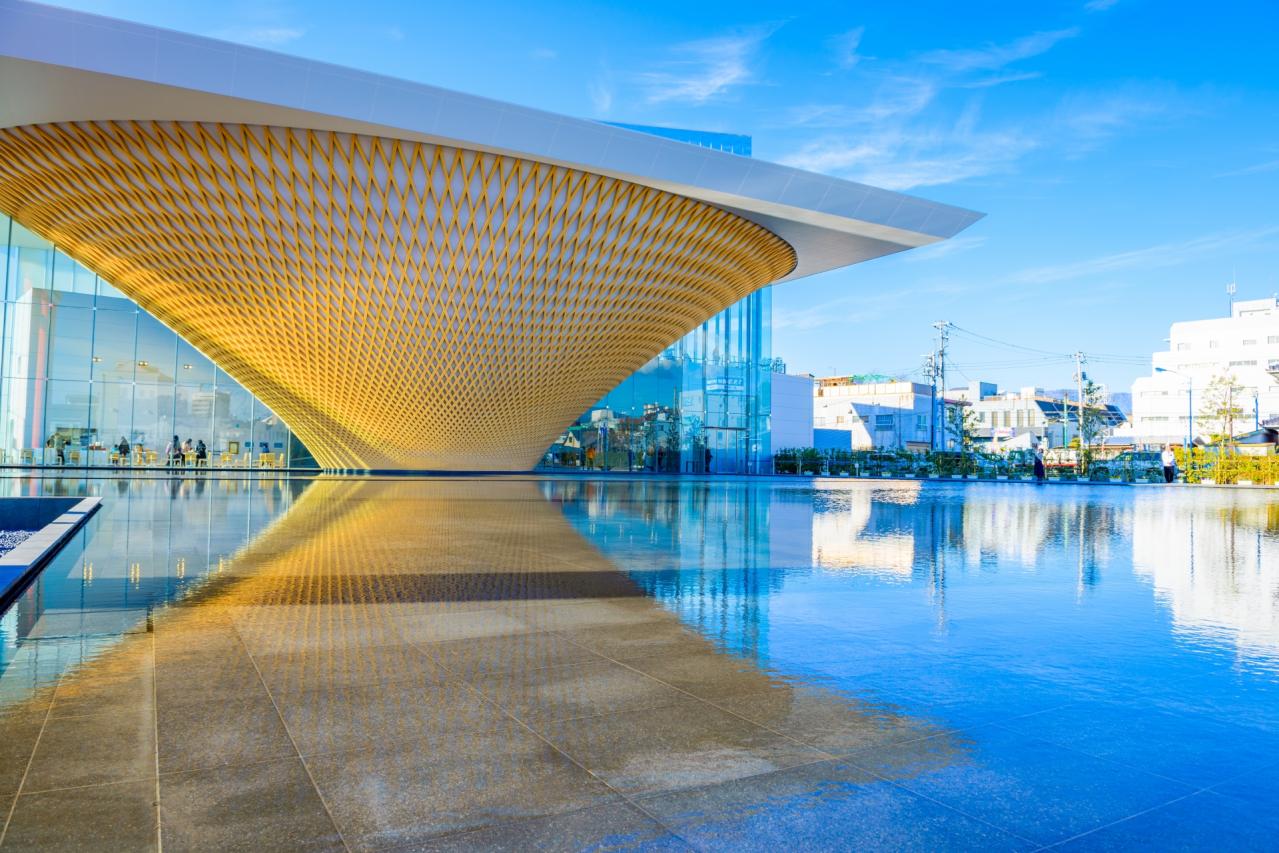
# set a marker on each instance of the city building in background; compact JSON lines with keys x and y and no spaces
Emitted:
{"x":1244,"y":346}
{"x":1029,"y":417}
{"x":83,"y":368}
{"x":791,"y":409}
{"x":864,"y":412}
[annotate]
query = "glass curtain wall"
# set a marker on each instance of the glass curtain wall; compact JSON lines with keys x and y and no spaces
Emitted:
{"x":701,"y":407}
{"x":82,"y":368}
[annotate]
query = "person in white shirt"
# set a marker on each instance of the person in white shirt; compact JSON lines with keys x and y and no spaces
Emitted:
{"x":1169,"y":461}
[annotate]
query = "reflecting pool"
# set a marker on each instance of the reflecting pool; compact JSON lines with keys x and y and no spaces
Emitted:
{"x":652,"y":663}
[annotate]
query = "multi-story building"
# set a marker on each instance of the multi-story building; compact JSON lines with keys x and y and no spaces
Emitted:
{"x":1244,"y":346}
{"x":877,"y":412}
{"x":1045,"y":420}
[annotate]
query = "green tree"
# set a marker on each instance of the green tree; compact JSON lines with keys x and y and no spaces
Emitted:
{"x":961,"y":422}
{"x":1221,"y":408}
{"x":1092,"y":421}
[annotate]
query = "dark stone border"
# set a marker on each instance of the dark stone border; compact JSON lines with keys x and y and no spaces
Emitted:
{"x":21,"y":565}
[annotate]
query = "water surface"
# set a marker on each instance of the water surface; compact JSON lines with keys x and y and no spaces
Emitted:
{"x":715,"y":663}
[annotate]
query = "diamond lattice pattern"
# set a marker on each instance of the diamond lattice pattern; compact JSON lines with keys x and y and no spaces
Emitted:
{"x":400,"y":305}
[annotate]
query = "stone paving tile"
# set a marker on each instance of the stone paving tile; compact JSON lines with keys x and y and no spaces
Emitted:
{"x":271,"y":806}
{"x":94,"y":749}
{"x":825,"y":806}
{"x":112,"y":817}
{"x":291,"y":673}
{"x":196,"y":675}
{"x":18,"y":734}
{"x":602,"y":828}
{"x":650,"y":640}
{"x":576,"y":690}
{"x":484,"y":657}
{"x":682,"y":745}
{"x":372,"y":715}
{"x":239,"y":730}
{"x":121,"y":688}
{"x":710,"y":674}
{"x":1028,"y":787}
{"x":416,"y":791}
{"x":828,"y":720}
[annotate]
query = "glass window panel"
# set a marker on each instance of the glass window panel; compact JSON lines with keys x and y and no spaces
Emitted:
{"x":85,"y":281}
{"x":21,"y":415}
{"x":26,"y":337}
{"x":66,"y":416}
{"x":232,"y":418}
{"x":71,"y":347}
{"x":156,"y":352}
{"x":112,"y":297}
{"x":113,"y":341}
{"x":31,"y":262}
{"x":112,"y":412}
{"x":153,"y":415}
{"x":63,"y":273}
{"x":193,"y":367}
{"x":194,"y":413}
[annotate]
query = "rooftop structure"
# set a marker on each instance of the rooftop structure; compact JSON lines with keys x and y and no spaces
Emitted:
{"x":412,"y":278}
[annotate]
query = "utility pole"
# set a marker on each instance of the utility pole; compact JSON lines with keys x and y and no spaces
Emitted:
{"x":1230,"y":294}
{"x":1079,"y":400}
{"x":943,"y":338}
{"x":930,"y":370}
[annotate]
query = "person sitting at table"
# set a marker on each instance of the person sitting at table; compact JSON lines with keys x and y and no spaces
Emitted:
{"x":172,"y":452}
{"x":201,"y":452}
{"x":123,"y":449}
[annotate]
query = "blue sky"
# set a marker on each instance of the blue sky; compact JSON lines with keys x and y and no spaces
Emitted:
{"x":1126,"y":152}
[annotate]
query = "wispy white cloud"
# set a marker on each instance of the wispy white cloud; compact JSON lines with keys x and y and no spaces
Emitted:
{"x":1255,"y":169}
{"x":394,"y":32}
{"x":1083,"y":121}
{"x":945,"y":248}
{"x":845,"y":46}
{"x":601,"y":92}
{"x":992,"y":57}
{"x":902,"y":158}
{"x":700,"y":71}
{"x":261,"y":36}
{"x":543,"y":54}
{"x":1151,"y":257}
{"x":1099,"y":5}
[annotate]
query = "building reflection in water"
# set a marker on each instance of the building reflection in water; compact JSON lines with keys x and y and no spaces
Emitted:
{"x":1213,"y":560}
{"x":155,"y":539}
{"x":445,"y":654}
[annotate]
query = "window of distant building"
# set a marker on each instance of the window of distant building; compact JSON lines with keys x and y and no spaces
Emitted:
{"x":883,"y":422}
{"x":1212,"y":344}
{"x":921,"y":421}
{"x":1250,"y":342}
{"x":1183,"y":347}
{"x":1252,"y":363}
{"x":1272,"y":339}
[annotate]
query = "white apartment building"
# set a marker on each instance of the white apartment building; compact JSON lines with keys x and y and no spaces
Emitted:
{"x":879,"y":413}
{"x":1245,"y":345}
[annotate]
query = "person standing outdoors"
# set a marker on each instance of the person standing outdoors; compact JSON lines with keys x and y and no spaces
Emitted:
{"x":1039,"y":465}
{"x":1169,"y":460}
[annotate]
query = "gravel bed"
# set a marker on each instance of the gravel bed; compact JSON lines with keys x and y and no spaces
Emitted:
{"x":10,"y":539}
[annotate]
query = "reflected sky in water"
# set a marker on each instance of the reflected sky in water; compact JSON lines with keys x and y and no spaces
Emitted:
{"x":1060,"y":659}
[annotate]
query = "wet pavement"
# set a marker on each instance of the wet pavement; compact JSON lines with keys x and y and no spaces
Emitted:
{"x":259,"y":662}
